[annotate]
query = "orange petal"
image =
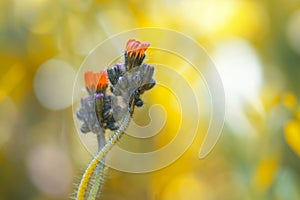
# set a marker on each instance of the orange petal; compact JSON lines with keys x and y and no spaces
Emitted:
{"x":102,"y":80}
{"x":88,"y":76}
{"x":137,"y":47}
{"x":96,"y":81}
{"x":130,"y":44}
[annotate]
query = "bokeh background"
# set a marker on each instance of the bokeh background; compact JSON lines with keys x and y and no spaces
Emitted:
{"x":255,"y":45}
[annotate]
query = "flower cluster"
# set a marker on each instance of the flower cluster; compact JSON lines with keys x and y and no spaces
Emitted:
{"x":128,"y":81}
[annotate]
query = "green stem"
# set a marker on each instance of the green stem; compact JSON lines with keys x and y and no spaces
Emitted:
{"x":100,"y":155}
{"x":98,"y":181}
{"x":99,"y":173}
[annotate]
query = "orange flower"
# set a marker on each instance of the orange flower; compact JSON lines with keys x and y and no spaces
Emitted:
{"x":96,"y":81}
{"x":102,"y":81}
{"x":136,"y":48}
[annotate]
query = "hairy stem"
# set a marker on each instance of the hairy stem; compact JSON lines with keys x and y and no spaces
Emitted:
{"x":98,"y":180}
{"x":99,"y":173}
{"x":100,"y":155}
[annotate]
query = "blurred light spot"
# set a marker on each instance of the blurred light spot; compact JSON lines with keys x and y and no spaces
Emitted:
{"x":265,"y":173}
{"x":41,"y":48}
{"x":39,"y":16}
{"x":292,"y":135}
{"x":196,"y":17}
{"x":112,"y":20}
{"x":81,"y":5}
{"x":53,"y":84}
{"x":248,"y":19}
{"x":270,"y":98}
{"x":8,"y":119}
{"x":240,"y":69}
{"x":293,"y":31}
{"x":214,"y":19}
{"x":206,"y":15}
{"x":185,"y":187}
{"x":84,"y":35}
{"x":11,"y":79}
{"x":50,"y":170}
{"x":289,"y":100}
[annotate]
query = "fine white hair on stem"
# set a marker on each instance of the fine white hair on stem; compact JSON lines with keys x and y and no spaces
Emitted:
{"x":97,"y":159}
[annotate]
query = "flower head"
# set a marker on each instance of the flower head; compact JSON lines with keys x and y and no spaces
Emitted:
{"x":96,"y":81}
{"x":136,"y":48}
{"x":135,"y":53}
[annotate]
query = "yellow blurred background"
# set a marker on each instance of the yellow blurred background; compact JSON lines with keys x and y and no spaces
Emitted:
{"x":256,"y":48}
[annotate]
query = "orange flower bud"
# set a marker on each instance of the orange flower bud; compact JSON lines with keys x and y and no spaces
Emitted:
{"x":96,"y":81}
{"x":136,"y":48}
